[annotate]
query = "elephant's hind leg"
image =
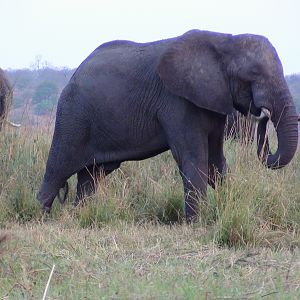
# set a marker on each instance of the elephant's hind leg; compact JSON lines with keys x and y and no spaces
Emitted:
{"x":88,"y":178}
{"x":217,"y":166}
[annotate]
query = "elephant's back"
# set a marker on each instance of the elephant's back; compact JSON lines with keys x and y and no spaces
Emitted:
{"x":121,"y":58}
{"x":117,"y":72}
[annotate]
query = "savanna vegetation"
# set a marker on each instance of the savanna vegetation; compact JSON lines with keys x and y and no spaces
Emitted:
{"x":129,"y":239}
{"x":36,"y":92}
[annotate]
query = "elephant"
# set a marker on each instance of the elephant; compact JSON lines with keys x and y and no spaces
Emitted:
{"x":6,"y":94}
{"x":5,"y":97}
{"x":130,"y":101}
{"x":239,"y":127}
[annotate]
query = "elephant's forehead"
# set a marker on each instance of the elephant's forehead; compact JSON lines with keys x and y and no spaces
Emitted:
{"x":259,"y":50}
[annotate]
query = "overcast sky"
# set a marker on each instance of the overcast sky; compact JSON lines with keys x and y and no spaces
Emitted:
{"x":64,"y":32}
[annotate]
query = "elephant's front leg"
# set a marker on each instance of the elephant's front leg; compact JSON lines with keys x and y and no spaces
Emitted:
{"x":195,"y":186}
{"x":193,"y":165}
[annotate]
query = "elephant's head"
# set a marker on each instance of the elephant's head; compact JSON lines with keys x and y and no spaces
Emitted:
{"x":5,"y":97}
{"x":220,"y":72}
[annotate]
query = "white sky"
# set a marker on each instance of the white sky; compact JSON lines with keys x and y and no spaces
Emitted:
{"x":64,"y":32}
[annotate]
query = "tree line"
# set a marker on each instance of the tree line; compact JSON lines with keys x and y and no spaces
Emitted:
{"x":293,"y":82}
{"x":40,"y":89}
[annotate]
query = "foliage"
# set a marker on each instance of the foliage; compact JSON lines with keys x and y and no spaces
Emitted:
{"x":117,"y":245}
{"x":36,"y":91}
{"x":44,"y":107}
{"x":46,"y":91}
{"x":45,"y":97}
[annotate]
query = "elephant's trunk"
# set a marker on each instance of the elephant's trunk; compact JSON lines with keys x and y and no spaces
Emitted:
{"x":286,"y":125}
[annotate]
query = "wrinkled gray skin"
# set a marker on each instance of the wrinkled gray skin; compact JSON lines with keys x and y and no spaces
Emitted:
{"x":131,"y":101}
{"x":240,"y":128}
{"x":5,"y":97}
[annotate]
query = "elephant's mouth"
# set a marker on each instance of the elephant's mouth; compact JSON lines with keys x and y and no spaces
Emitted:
{"x":255,"y":111}
{"x":252,"y":109}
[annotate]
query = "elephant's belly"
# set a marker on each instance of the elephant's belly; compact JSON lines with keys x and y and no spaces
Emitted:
{"x":129,"y":147}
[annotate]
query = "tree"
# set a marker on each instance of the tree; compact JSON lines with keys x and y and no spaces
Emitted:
{"x":47,"y":92}
{"x":43,"y":108}
{"x":45,"y":98}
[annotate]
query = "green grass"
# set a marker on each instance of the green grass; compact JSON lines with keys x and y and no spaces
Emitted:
{"x":129,"y":239}
{"x":126,"y":261}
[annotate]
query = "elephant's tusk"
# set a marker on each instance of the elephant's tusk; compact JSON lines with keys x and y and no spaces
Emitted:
{"x":264,"y":113}
{"x":13,"y":124}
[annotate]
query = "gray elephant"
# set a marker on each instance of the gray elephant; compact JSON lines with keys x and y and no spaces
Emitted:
{"x":131,"y":101}
{"x":6,"y":94}
{"x":5,"y":97}
{"x":239,"y":127}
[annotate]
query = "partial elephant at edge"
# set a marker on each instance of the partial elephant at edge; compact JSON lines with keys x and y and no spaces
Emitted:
{"x":6,"y":97}
{"x":6,"y":94}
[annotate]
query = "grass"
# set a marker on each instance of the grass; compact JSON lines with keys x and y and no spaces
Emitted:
{"x":125,"y":261}
{"x":129,"y":239}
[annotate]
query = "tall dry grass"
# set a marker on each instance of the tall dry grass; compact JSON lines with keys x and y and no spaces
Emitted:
{"x":253,"y":206}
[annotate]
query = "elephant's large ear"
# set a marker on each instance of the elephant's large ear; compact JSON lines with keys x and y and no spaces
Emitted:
{"x":192,"y":68}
